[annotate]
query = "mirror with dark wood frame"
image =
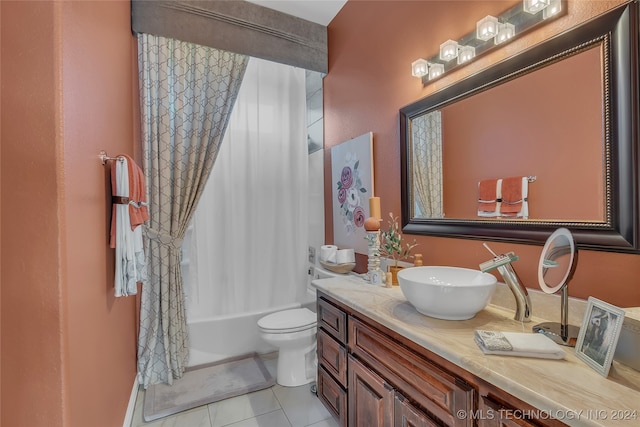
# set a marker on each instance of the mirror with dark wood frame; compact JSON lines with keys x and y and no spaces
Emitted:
{"x":580,"y":150}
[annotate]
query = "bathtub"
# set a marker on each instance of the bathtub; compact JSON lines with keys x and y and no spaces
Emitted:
{"x":220,"y":337}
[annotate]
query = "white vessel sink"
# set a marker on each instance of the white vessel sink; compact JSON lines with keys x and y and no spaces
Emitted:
{"x":450,"y":293}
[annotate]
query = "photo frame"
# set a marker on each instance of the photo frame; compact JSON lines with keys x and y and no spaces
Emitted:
{"x":599,"y":335}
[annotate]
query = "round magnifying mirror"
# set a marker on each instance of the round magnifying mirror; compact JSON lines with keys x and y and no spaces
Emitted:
{"x":556,"y":261}
{"x":555,"y":269}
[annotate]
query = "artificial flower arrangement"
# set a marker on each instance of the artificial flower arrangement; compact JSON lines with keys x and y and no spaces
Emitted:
{"x":391,"y":242}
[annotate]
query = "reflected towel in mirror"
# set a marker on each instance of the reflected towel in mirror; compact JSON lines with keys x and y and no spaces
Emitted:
{"x":488,"y":195}
{"x":515,"y":191}
{"x":504,"y":197}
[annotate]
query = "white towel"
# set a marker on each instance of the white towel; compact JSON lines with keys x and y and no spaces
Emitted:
{"x":130,"y":260}
{"x":518,"y":344}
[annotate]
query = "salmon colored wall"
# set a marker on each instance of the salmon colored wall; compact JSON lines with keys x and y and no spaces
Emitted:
{"x":69,"y":347}
{"x":0,"y":227}
{"x":97,"y":89}
{"x":32,"y":336}
{"x":371,"y":47}
{"x":531,"y":126}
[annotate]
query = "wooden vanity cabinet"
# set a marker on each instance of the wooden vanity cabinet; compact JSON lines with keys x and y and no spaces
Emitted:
{"x":442,"y":395}
{"x":332,"y":358}
{"x":370,"y":376}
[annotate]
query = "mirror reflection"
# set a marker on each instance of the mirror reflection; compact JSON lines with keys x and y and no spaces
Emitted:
{"x":564,"y":111}
{"x":539,"y":124}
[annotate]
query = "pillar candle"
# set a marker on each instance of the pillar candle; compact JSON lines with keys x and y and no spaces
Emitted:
{"x":374,"y":207}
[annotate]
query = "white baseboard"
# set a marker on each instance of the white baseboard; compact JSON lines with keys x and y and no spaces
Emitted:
{"x":128,"y":417}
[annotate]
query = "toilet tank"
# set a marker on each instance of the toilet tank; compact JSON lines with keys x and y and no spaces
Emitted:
{"x":316,"y":272}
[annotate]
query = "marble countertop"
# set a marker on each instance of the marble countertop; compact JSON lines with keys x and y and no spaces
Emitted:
{"x":566,"y":389}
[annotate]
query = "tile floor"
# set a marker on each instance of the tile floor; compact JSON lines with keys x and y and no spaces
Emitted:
{"x":273,"y":407}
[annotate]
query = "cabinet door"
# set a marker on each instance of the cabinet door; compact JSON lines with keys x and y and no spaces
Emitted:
{"x":495,"y":414}
{"x":370,"y":397}
{"x":407,"y":415}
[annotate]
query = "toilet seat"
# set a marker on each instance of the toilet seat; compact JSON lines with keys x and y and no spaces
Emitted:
{"x":287,"y":321}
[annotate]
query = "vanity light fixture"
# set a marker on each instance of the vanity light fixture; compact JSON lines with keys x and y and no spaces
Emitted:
{"x":490,"y":32}
{"x":505,"y":32}
{"x":554,"y":7}
{"x":435,"y":70}
{"x":487,"y":28}
{"x":466,"y":53}
{"x":419,"y":67}
{"x":448,"y":50}
{"x":534,"y":6}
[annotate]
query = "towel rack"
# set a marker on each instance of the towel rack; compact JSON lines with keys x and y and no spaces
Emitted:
{"x":104,"y":157}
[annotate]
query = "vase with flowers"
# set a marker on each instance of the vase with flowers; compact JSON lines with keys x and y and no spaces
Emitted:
{"x":391,"y":246}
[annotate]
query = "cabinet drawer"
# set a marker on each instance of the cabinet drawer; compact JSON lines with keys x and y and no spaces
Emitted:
{"x":333,"y":320}
{"x":332,"y":396}
{"x":333,"y":357}
{"x":433,"y":388}
{"x":493,"y":412}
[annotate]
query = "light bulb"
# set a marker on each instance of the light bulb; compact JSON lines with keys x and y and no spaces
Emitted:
{"x":555,"y":6}
{"x":534,"y":6}
{"x":487,"y":28}
{"x":435,"y":70}
{"x":448,"y":50}
{"x":466,"y":53}
{"x":505,"y":32}
{"x":419,"y":67}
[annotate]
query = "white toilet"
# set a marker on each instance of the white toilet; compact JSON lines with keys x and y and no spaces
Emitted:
{"x":293,"y":332}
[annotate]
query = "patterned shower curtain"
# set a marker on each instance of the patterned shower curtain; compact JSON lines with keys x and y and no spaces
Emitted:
{"x":187,"y":93}
{"x":426,"y":138}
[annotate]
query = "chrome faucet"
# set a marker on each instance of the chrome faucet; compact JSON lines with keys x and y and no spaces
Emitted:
{"x":503,"y":264}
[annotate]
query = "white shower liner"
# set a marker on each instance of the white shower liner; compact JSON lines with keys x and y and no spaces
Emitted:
{"x":216,"y":338}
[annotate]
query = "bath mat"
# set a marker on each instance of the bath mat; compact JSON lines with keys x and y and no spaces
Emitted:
{"x":205,"y":384}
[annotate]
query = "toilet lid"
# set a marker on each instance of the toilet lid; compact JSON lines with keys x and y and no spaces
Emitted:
{"x":288,"y":320}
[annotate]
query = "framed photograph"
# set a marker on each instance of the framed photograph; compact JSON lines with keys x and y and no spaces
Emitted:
{"x":599,"y":334}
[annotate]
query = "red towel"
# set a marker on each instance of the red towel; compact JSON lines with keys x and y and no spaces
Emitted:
{"x":138,"y":213}
{"x":138,"y":193}
{"x":511,"y":196}
{"x":487,"y":195}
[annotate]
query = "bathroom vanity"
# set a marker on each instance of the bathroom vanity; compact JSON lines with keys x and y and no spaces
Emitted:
{"x":381,"y":363}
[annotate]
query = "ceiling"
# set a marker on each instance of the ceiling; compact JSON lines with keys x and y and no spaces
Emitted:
{"x":318,"y":11}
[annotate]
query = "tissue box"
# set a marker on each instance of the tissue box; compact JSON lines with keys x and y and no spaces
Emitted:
{"x":628,"y":348}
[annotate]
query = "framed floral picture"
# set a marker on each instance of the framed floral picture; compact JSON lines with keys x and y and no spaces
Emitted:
{"x":599,"y":334}
{"x":352,"y":185}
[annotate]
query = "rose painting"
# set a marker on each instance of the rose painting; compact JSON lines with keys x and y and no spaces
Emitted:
{"x":352,"y":186}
